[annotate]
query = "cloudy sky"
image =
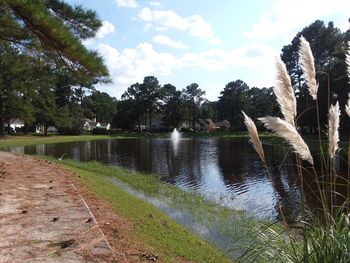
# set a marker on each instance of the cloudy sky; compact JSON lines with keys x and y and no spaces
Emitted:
{"x":203,"y":41}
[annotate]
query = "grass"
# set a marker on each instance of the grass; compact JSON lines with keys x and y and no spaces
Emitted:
{"x":234,"y":229}
{"x":168,"y":238}
{"x":26,"y":140}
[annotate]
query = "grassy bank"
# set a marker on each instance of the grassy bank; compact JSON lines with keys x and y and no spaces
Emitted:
{"x":167,"y":237}
{"x":229,"y":229}
{"x":25,"y":140}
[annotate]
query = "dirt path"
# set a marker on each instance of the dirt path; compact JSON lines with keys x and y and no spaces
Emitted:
{"x":44,"y":218}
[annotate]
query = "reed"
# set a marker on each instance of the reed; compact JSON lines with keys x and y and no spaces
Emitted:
{"x":324,"y":238}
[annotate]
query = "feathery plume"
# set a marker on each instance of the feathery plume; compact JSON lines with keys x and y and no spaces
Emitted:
{"x":287,"y":131}
{"x":347,"y":106}
{"x":306,"y":60}
{"x":333,"y":125}
{"x":254,"y":137}
{"x":284,"y":92}
{"x":348,"y":61}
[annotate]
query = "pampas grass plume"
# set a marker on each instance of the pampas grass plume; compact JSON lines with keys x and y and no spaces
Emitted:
{"x":306,"y":60}
{"x":288,"y":132}
{"x":333,"y":126}
{"x":254,"y":137}
{"x":284,"y":92}
{"x":347,"y":106}
{"x":348,"y":61}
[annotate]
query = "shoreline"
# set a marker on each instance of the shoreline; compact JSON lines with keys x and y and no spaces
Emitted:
{"x":134,"y":223}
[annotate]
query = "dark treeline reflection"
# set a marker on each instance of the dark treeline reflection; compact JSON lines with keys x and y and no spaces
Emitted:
{"x":226,"y":170}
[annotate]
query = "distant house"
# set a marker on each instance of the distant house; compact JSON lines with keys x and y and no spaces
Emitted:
{"x":157,"y":123}
{"x":205,"y":125}
{"x":223,"y":125}
{"x":15,"y":124}
{"x":41,"y":129}
{"x":106,"y":126}
{"x":89,"y":125}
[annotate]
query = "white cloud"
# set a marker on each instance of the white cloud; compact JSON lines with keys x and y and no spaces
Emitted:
{"x":145,"y":14}
{"x":286,"y":17}
{"x":126,"y":3}
{"x":155,"y":3}
{"x":165,"y":40}
{"x":130,"y":65}
{"x":106,"y":29}
{"x":195,"y":25}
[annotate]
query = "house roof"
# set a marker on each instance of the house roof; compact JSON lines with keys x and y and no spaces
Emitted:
{"x":16,"y":122}
{"x":92,"y":123}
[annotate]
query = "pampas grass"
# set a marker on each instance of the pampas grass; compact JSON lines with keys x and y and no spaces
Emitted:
{"x":347,"y":106}
{"x":287,"y":131}
{"x":333,"y":125}
{"x":306,"y":60}
{"x":284,"y":92}
{"x":254,"y":137}
{"x":348,"y":61}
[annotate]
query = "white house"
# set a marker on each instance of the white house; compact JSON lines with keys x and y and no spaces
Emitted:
{"x":223,"y":125}
{"x":41,"y":129}
{"x":89,"y":125}
{"x":15,"y":124}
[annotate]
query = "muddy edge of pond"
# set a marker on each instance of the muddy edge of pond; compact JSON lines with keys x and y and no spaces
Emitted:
{"x":45,"y":212}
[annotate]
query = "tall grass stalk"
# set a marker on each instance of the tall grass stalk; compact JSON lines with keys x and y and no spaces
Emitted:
{"x":324,"y":238}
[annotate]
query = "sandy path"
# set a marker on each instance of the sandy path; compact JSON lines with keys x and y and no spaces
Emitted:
{"x":43,"y":218}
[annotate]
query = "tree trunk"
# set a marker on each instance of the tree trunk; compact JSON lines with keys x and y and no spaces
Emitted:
{"x":45,"y":129}
{"x":25,"y":128}
{"x":150,"y":121}
{"x":9,"y":127}
{"x":2,"y":123}
{"x":193,"y":118}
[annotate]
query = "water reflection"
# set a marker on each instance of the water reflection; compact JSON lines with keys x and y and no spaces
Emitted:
{"x":224,"y":169}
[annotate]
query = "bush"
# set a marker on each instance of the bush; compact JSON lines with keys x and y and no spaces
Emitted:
{"x":99,"y":131}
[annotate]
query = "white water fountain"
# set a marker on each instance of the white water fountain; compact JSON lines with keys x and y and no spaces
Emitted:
{"x":175,"y":137}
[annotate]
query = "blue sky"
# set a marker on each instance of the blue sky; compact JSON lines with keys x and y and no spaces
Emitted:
{"x":207,"y":42}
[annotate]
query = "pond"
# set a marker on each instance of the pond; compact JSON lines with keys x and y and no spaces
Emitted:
{"x":225,"y":170}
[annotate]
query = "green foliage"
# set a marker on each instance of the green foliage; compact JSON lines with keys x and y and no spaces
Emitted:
{"x":57,"y":27}
{"x":171,"y":106}
{"x":193,"y":97}
{"x":328,"y":44}
{"x":233,"y":99}
{"x":101,"y":106}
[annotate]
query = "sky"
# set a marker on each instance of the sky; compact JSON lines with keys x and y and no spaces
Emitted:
{"x":210,"y":43}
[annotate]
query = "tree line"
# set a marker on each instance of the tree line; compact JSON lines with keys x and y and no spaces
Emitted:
{"x":48,"y":78}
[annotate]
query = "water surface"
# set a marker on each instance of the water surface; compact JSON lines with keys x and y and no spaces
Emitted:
{"x":225,"y":170}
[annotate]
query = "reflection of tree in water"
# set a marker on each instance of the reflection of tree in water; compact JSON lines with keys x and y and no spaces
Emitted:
{"x":232,"y":159}
{"x":184,"y":162}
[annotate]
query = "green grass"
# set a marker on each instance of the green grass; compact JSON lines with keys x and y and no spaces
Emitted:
{"x":169,"y":239}
{"x":235,"y":226}
{"x":25,"y":140}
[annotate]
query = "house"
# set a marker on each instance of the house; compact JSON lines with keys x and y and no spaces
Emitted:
{"x":89,"y":125}
{"x":223,"y":125}
{"x":102,"y":125}
{"x":157,"y":123}
{"x":15,"y":124}
{"x":41,"y":129}
{"x":205,"y":125}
